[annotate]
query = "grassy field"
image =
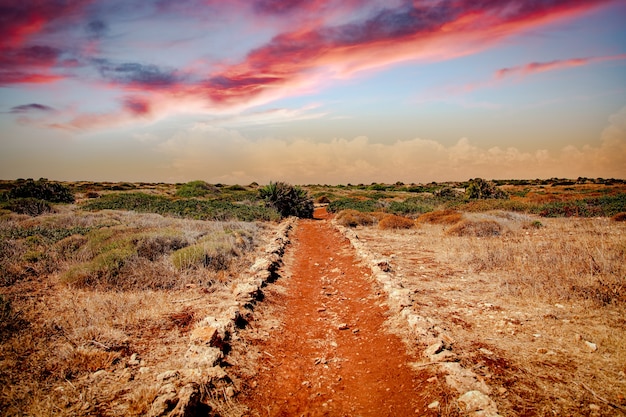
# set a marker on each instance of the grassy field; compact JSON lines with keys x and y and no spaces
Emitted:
{"x":98,"y":292}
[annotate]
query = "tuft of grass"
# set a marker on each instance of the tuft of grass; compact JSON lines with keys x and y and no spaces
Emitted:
{"x":476,"y":228}
{"x":391,"y":221}
{"x":354,"y":218}
{"x":446,"y":217}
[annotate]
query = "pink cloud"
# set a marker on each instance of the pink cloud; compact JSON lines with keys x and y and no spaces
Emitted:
{"x":536,"y":67}
{"x":318,"y":41}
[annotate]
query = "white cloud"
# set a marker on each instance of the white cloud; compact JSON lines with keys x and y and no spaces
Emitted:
{"x":224,"y":155}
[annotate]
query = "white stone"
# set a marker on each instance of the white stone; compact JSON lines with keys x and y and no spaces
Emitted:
{"x":434,"y":404}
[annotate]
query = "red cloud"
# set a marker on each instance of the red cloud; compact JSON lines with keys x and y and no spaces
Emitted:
{"x":324,"y":41}
{"x":535,"y":67}
{"x":414,"y":31}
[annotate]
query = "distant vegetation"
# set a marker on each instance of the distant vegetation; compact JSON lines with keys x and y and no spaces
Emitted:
{"x":187,"y":208}
{"x":556,"y":197}
{"x":34,"y":197}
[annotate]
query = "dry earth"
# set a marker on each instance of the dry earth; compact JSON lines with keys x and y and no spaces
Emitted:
{"x":327,"y":351}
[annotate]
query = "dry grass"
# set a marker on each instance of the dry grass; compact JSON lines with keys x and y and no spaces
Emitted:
{"x":536,"y":312}
{"x":354,"y":218}
{"x":391,"y":221}
{"x":619,"y":217}
{"x":476,"y":228}
{"x":580,"y":258}
{"x":447,"y":217}
{"x":66,"y":349}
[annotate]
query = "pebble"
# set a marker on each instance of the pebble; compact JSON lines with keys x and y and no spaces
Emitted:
{"x":591,"y":347}
{"x":434,"y":404}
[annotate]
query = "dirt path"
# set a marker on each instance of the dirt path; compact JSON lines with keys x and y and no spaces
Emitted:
{"x":331,"y":354}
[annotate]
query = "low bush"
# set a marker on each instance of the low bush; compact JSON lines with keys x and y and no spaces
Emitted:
{"x":187,"y":208}
{"x":353,"y":204}
{"x":619,"y":217}
{"x":196,"y":189}
{"x":479,"y":189}
{"x":215,"y":256}
{"x":354,"y":218}
{"x":476,"y":228}
{"x":322,"y":200}
{"x":391,"y":221}
{"x":29,"y":206}
{"x":447,"y":217}
{"x":153,"y":247}
{"x":42,"y":189}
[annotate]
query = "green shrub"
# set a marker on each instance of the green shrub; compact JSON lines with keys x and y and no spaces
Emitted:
{"x":28,"y":205}
{"x":196,"y":189}
{"x":352,"y":204}
{"x":42,"y":189}
{"x":187,"y":208}
{"x":287,"y":199}
{"x":478,"y":189}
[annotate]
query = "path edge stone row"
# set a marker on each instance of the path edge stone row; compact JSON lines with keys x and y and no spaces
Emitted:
{"x":474,"y":398}
{"x":181,"y":390}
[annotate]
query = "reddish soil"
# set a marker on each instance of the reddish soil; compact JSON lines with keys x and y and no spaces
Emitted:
{"x":331,"y":355}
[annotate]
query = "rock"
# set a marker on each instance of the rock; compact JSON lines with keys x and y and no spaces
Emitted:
{"x":542,"y":351}
{"x":189,"y":401}
{"x":230,"y":392}
{"x":433,"y":349}
{"x":444,"y":356}
{"x":462,"y":379}
{"x":433,"y":405}
{"x":163,"y":403}
{"x":167,"y":375}
{"x":205,"y":335}
{"x":485,"y":351}
{"x":475,"y":403}
{"x":343,"y":326}
{"x":134,"y":360}
{"x":594,"y":407}
{"x":591,"y":347}
{"x":167,"y":388}
{"x":203,"y":356}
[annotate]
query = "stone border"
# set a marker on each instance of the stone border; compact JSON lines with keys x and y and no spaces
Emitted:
{"x":474,"y":399}
{"x":181,"y":390}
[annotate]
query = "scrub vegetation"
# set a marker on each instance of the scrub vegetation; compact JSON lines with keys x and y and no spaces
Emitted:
{"x":97,"y":277}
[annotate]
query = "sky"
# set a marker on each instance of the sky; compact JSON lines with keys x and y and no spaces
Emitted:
{"x":312,"y":92}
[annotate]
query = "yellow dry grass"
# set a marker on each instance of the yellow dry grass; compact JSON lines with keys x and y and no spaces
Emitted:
{"x":66,"y":347}
{"x":536,"y":312}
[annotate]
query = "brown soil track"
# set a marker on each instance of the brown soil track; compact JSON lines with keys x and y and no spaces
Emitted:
{"x":310,"y":364}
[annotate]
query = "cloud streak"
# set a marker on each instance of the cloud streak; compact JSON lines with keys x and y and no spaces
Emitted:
{"x":538,"y":67}
{"x":317,"y":43}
